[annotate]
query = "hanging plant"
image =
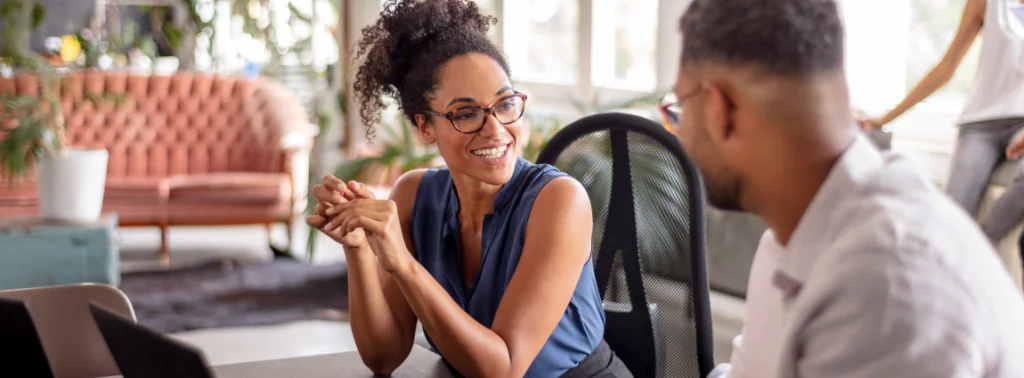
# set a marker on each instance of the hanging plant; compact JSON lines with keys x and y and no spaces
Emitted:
{"x":33,"y":123}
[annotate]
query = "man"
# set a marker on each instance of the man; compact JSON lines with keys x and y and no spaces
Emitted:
{"x":867,"y":270}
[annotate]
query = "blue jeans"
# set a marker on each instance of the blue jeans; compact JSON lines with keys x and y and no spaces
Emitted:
{"x":980,"y":148}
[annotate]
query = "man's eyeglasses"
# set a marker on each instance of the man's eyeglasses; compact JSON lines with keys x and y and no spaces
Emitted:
{"x":471,"y":119}
{"x":670,"y":111}
{"x":670,"y":108}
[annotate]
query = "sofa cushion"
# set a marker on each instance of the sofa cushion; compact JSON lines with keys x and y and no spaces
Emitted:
{"x":234,"y":187}
{"x":137,"y":189}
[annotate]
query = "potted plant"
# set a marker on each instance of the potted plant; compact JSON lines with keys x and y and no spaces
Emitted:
{"x":70,"y":181}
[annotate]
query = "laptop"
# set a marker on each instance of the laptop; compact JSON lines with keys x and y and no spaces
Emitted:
{"x":21,"y":351}
{"x":142,"y":352}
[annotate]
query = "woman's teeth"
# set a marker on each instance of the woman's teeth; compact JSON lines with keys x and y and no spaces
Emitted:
{"x":491,"y":153}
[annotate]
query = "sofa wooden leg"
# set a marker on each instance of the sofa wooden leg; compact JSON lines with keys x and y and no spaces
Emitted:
{"x":165,"y":253}
{"x":288,"y":230}
{"x":277,"y":252}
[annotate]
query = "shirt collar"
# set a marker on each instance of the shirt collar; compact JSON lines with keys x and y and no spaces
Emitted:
{"x":817,"y":227}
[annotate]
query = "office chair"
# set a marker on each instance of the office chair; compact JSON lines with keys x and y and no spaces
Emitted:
{"x":648,"y":205}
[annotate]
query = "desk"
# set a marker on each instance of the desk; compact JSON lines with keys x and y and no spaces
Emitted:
{"x":421,"y":363}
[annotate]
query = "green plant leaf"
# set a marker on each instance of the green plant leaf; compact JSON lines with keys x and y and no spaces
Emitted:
{"x":311,"y":243}
{"x":38,"y":15}
{"x":9,"y":7}
{"x":173,"y":35}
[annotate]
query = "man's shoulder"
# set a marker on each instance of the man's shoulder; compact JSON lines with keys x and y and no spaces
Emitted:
{"x":898,"y":209}
{"x":898,"y":228}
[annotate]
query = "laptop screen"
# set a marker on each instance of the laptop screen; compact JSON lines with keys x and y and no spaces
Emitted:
{"x":142,"y":352}
{"x":20,"y":346}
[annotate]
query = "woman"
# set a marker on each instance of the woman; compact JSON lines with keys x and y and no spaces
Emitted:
{"x":994,"y":113}
{"x":492,"y":254}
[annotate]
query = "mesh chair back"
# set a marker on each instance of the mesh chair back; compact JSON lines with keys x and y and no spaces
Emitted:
{"x":649,"y":257}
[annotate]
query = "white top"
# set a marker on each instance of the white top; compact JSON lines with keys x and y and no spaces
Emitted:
{"x":883,"y":277}
{"x":998,"y":88}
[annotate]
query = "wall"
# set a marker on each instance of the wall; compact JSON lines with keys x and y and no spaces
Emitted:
{"x":67,"y":16}
{"x":62,"y":16}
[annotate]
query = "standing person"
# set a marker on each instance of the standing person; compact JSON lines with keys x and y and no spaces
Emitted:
{"x":993,"y":115}
{"x":491,"y":254}
{"x":867,"y":270}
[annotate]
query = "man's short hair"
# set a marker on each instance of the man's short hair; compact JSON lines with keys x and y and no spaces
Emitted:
{"x":783,"y":37}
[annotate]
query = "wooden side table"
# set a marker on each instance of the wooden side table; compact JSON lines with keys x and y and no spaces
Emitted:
{"x":36,"y":252}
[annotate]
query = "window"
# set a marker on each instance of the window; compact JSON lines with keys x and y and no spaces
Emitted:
{"x":624,"y":43}
{"x":542,"y":39}
{"x":933,"y":24}
{"x":891,"y":45}
{"x":565,"y":53}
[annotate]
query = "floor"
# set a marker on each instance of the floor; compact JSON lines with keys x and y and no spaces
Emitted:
{"x":192,"y":246}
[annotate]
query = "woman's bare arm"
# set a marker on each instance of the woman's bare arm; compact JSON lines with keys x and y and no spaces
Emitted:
{"x":383,"y":324}
{"x":971,"y":23}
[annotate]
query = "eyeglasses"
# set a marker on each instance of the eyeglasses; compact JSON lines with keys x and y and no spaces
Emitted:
{"x":471,"y":119}
{"x":670,"y":108}
{"x":670,"y":111}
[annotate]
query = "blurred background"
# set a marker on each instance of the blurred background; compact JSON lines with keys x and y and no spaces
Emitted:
{"x":572,"y":57}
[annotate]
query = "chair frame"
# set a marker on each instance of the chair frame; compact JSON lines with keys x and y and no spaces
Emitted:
{"x":622,"y":216}
{"x":72,"y":342}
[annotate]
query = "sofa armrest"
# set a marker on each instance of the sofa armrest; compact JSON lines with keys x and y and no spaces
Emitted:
{"x":289,"y":138}
{"x":296,"y":164}
{"x":295,"y":139}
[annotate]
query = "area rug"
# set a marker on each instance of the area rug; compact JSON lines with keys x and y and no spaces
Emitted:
{"x":228,"y":295}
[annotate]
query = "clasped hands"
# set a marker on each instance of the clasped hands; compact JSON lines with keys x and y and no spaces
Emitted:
{"x":350,"y":214}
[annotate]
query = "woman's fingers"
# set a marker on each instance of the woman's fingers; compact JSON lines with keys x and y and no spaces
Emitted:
{"x":344,"y":219}
{"x":324,"y":194}
{"x":1016,"y":148}
{"x":316,"y":221}
{"x":1015,"y":152}
{"x":346,"y":213}
{"x":335,"y":184}
{"x":376,"y":205}
{"x":346,"y":192}
{"x":361,"y":190}
{"x":332,"y":182}
{"x":321,"y":209}
{"x":369,"y":223}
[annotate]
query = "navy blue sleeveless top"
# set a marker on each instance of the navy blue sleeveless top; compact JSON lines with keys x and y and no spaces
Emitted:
{"x":435,"y":232}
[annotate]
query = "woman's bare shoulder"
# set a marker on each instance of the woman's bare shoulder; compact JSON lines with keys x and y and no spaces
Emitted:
{"x":404,"y":190}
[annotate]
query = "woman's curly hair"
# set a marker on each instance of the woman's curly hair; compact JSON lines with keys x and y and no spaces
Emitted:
{"x":403,"y":51}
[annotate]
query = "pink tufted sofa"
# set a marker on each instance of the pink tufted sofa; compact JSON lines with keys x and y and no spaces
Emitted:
{"x":186,"y":149}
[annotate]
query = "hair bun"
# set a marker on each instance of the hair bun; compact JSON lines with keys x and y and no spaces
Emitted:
{"x":402,"y":50}
{"x":412,"y":26}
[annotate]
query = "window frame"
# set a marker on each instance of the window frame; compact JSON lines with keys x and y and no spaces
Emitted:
{"x":558,"y":98}
{"x":918,"y":131}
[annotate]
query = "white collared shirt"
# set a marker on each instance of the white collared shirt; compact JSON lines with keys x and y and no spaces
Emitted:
{"x":883,"y":277}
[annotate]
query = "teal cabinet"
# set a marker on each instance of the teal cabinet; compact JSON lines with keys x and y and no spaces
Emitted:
{"x":36,"y":252}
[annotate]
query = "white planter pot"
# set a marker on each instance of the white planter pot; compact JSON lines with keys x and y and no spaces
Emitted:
{"x":71,"y":185}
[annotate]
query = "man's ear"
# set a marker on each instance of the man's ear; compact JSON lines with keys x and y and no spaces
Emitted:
{"x":718,"y":113}
{"x":425,"y":128}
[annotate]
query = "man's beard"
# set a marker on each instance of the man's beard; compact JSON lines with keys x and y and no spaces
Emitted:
{"x":723,"y":194}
